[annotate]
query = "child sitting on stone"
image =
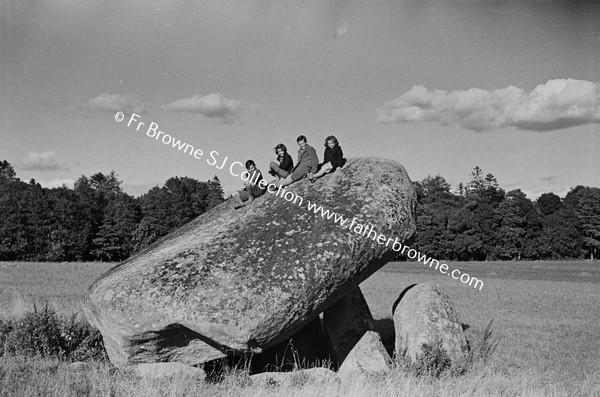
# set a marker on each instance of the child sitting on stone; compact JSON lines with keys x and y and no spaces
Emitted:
{"x":284,"y":164}
{"x":333,"y":158}
{"x":255,"y":186}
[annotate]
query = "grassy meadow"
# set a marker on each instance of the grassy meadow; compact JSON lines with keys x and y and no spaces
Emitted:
{"x":546,"y":315}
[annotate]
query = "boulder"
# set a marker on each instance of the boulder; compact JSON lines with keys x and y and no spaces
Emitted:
{"x":162,"y":370}
{"x":367,"y":359}
{"x":296,"y":378}
{"x":424,"y":315}
{"x":237,"y":282}
{"x":345,"y":322}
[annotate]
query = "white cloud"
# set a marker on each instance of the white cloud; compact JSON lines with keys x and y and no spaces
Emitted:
{"x":342,"y":29}
{"x":40,"y":162}
{"x":57,"y":183}
{"x":558,"y":189}
{"x":213,"y":106}
{"x":548,"y":178}
{"x":115,"y":102}
{"x":557,"y":104}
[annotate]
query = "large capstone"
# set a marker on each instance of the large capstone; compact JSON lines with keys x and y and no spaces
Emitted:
{"x":238,"y":282}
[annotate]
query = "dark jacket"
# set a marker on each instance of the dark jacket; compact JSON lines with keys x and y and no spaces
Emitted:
{"x":255,"y":190}
{"x":334,"y":156}
{"x":285,"y":162}
{"x":308,"y":157}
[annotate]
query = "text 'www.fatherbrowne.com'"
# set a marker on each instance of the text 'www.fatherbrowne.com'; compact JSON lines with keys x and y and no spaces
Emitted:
{"x":369,"y":232}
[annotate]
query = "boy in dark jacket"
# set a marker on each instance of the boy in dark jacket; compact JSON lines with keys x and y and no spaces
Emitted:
{"x":308,"y":162}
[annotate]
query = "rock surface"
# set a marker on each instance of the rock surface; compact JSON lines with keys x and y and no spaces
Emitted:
{"x":368,"y":359}
{"x":295,"y":378}
{"x":233,"y":282}
{"x":162,"y":370}
{"x":345,"y":322}
{"x":424,"y":314}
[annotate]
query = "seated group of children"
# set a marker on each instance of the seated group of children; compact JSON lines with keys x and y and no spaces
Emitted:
{"x":285,"y":171}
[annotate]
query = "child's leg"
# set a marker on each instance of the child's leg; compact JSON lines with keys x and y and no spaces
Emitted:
{"x":240,"y":197}
{"x":284,"y":182}
{"x":324,"y":169}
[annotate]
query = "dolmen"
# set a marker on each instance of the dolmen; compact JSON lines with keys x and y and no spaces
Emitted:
{"x":233,"y":283}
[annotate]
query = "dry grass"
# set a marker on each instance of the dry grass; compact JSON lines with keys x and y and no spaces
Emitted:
{"x":35,"y":377}
{"x":546,"y":314}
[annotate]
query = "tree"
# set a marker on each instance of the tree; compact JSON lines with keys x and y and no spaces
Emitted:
{"x":68,"y":240}
{"x":13,"y":236}
{"x":180,"y":200}
{"x":512,"y":232}
{"x":37,"y":220}
{"x":215,"y":193}
{"x":95,"y":193}
{"x":548,"y":203}
{"x":114,"y":241}
{"x":561,"y":237}
{"x":7,"y":172}
{"x":585,"y":203}
{"x":477,"y":222}
{"x":435,"y":206}
{"x":476,"y":184}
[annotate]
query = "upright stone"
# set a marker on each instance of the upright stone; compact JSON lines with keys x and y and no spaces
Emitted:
{"x":425,"y":315}
{"x":367,"y":359}
{"x":345,"y":322}
{"x":236,"y":282}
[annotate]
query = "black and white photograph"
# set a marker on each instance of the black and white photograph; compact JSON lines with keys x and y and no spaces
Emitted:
{"x":283,"y":198}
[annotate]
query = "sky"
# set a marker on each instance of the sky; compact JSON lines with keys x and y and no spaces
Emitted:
{"x":440,"y":86}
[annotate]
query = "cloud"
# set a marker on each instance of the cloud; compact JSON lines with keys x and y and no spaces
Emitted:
{"x":115,"y":102}
{"x":342,"y":29}
{"x":40,"y":162}
{"x":548,"y":178}
{"x":254,"y":109}
{"x":557,"y":104}
{"x":558,"y":189}
{"x":57,"y":183}
{"x":213,"y":106}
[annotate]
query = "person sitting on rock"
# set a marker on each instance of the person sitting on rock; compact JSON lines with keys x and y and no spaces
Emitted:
{"x":254,"y":188}
{"x":332,"y":159}
{"x":284,"y":164}
{"x":307,"y":162}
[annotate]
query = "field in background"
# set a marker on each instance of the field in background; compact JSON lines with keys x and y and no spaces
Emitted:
{"x":547,"y":315}
{"x":62,"y":285}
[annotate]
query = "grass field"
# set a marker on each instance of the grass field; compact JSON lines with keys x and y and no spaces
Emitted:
{"x":547,"y":315}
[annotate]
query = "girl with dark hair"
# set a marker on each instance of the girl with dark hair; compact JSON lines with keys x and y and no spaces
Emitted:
{"x":284,"y":164}
{"x":332,"y":159}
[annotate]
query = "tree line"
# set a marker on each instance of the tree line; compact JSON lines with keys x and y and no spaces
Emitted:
{"x":98,"y":221}
{"x":480,"y":221}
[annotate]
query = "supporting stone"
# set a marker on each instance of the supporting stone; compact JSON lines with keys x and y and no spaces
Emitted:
{"x":346,"y":322}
